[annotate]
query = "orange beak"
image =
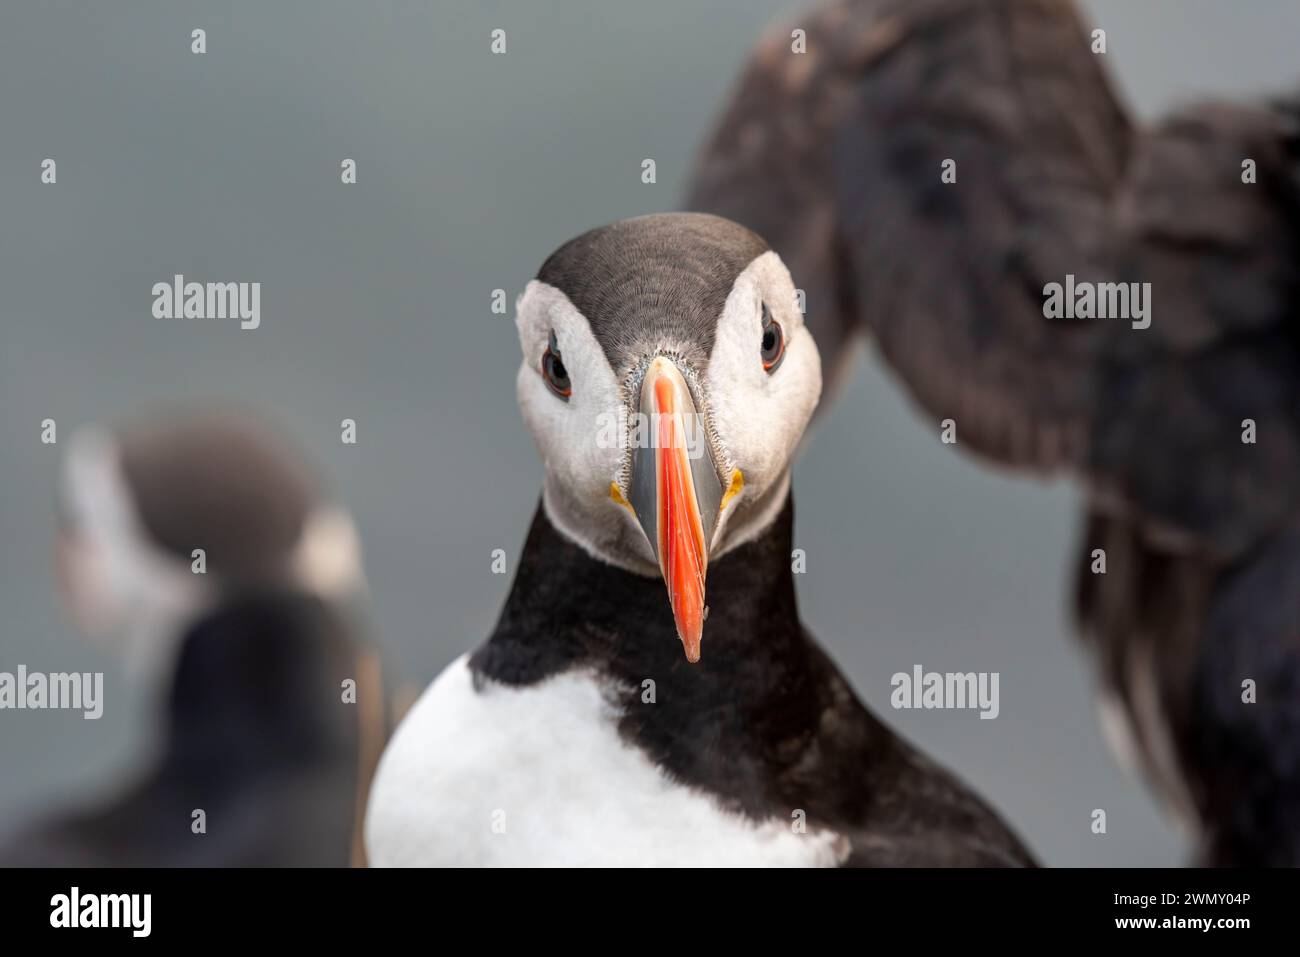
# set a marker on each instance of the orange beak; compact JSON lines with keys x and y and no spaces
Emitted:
{"x":682,"y":556}
{"x":676,"y":494}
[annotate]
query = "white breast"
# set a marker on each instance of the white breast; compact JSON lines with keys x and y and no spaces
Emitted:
{"x":538,"y":776}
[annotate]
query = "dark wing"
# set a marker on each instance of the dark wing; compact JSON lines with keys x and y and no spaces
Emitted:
{"x":1199,"y":527}
{"x":835,"y":156}
{"x":1223,"y":261}
{"x":949,"y":277}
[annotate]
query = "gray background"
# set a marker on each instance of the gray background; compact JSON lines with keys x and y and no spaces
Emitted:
{"x":375,"y":306}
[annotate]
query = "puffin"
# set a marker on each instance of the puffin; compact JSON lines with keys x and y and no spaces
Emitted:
{"x":940,"y":169}
{"x":200,"y":549}
{"x":649,"y":695}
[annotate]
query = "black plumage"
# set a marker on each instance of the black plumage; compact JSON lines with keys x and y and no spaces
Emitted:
{"x":253,"y":731}
{"x":765,"y":724}
{"x":1200,"y":529}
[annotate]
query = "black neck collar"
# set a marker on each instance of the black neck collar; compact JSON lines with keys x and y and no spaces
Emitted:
{"x":748,"y":722}
{"x":764,"y":722}
{"x":567,"y":609}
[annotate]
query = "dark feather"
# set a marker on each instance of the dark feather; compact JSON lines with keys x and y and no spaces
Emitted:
{"x":672,"y":271}
{"x":764,"y":723}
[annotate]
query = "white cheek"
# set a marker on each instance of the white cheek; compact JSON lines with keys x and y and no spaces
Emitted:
{"x":567,"y":433}
{"x":760,"y":417}
{"x":577,"y":438}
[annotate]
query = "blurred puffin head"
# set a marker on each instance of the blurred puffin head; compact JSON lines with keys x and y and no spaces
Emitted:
{"x":667,"y":378}
{"x":163,"y":519}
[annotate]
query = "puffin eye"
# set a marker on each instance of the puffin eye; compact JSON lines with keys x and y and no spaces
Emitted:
{"x":773,"y":347}
{"x":553,"y":371}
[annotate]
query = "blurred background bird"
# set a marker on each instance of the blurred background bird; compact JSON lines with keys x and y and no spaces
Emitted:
{"x":200,"y":548}
{"x":1185,"y":435}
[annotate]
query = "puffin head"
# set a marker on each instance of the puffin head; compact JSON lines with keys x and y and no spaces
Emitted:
{"x":667,"y":378}
{"x":137,"y":501}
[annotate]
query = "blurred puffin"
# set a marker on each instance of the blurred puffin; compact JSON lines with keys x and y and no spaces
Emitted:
{"x":249,"y":658}
{"x":667,"y":378}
